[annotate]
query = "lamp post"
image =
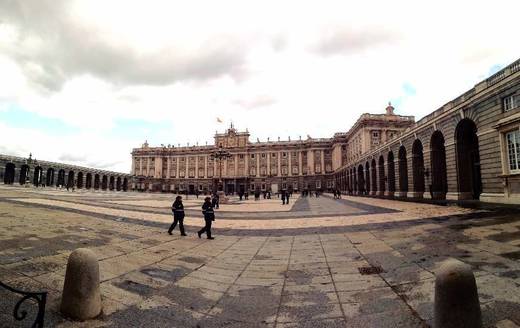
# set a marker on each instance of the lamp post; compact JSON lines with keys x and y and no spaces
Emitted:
{"x":219,"y":155}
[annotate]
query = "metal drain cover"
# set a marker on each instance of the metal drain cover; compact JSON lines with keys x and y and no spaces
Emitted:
{"x":370,"y":270}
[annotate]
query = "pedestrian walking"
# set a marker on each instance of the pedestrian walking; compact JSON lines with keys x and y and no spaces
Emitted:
{"x":178,"y":216}
{"x":282,"y":195}
{"x":287,"y":196}
{"x":209,"y":217}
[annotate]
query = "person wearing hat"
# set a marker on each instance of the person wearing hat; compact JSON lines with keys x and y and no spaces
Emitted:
{"x":178,"y":216}
{"x":209,"y":217}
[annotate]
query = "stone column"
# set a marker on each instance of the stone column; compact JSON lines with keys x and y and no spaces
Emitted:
{"x":205,"y":166}
{"x":140,"y":167}
{"x":268,"y":163}
{"x":257,"y":164}
{"x":168,"y":159}
{"x":322,"y":153}
{"x":236,"y":166}
{"x":246,"y":164}
{"x":197,"y":167}
{"x":289,"y":153}
{"x":310,"y":162}
{"x":300,"y":164}
{"x":279,"y":163}
{"x":178,"y":162}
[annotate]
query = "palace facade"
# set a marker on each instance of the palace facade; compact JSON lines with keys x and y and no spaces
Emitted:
{"x":295,"y":165}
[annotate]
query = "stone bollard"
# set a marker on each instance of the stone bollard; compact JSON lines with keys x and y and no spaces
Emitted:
{"x":81,"y":299}
{"x":456,"y":297}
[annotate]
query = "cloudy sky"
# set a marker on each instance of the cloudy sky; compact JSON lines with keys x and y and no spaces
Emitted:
{"x":84,"y":82}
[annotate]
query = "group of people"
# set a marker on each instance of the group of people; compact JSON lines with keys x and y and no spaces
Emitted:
{"x":309,"y":193}
{"x":337,"y":194}
{"x":285,"y":195}
{"x":207,"y":211}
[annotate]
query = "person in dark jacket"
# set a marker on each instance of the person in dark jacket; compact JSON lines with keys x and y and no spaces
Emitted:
{"x":178,"y":216}
{"x":209,"y":217}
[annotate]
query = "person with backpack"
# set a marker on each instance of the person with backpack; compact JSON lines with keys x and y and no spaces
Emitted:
{"x":209,"y":217}
{"x":178,"y":216}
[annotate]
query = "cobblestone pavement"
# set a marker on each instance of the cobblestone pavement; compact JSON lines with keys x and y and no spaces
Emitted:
{"x":270,"y":265}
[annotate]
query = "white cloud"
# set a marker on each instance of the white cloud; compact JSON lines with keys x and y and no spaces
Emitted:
{"x":277,"y":68}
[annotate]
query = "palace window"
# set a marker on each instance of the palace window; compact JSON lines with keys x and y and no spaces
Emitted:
{"x":241,"y":156}
{"x":513,"y":150}
{"x":318,"y":168}
{"x":252,"y":171}
{"x":511,"y":102}
{"x":210,"y":173}
{"x":252,"y":155}
{"x":181,"y":174}
{"x":263,"y":155}
{"x":284,"y":170}
{"x":284,"y":154}
{"x":273,"y":155}
{"x":375,"y":134}
{"x":263,"y":171}
{"x":318,"y":184}
{"x":295,"y":169}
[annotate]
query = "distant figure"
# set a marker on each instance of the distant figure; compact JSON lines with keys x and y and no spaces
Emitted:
{"x":287,"y":196}
{"x":335,"y":195}
{"x":214,"y":200}
{"x":265,"y":194}
{"x":268,"y":195}
{"x":209,"y":217}
{"x":178,"y":215}
{"x":338,"y":194}
{"x":246,"y":195}
{"x":197,"y":194}
{"x":282,"y":195}
{"x":240,"y":195}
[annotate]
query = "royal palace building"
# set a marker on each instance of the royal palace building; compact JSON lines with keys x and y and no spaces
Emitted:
{"x":294,"y":165}
{"x":468,"y":149}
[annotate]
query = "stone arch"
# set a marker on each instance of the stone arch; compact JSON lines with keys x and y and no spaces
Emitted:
{"x":361,"y":179}
{"x":97,"y":182}
{"x":381,"y":175}
{"x":403,"y":170}
{"x":70,"y":179}
{"x":61,"y":178}
{"x":49,"y":181}
{"x":79,"y":182}
{"x":118,"y":184}
{"x":9,"y":173}
{"x":24,"y":174}
{"x":38,"y":176}
{"x":373,"y":178}
{"x":367,"y":178}
{"x":391,"y":172}
{"x":125,"y":184}
{"x":439,"y":185}
{"x":468,"y":160}
{"x":88,"y":180}
{"x":104,"y":182}
{"x":111,"y":183}
{"x":418,"y":168}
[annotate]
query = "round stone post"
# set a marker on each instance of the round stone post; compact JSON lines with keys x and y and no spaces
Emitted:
{"x":81,"y":299}
{"x":456,"y":298}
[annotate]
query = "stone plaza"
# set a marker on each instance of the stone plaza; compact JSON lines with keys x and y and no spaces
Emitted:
{"x":317,"y":262}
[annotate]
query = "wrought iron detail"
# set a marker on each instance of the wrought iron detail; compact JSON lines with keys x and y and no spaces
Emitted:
{"x":20,"y":314}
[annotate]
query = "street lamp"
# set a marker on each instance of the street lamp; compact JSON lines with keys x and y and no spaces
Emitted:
{"x":219,"y":155}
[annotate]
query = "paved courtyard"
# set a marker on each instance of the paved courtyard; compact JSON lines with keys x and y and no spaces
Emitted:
{"x":271,"y":265}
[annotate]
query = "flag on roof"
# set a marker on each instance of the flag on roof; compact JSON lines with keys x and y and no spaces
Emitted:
{"x":219,"y":120}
